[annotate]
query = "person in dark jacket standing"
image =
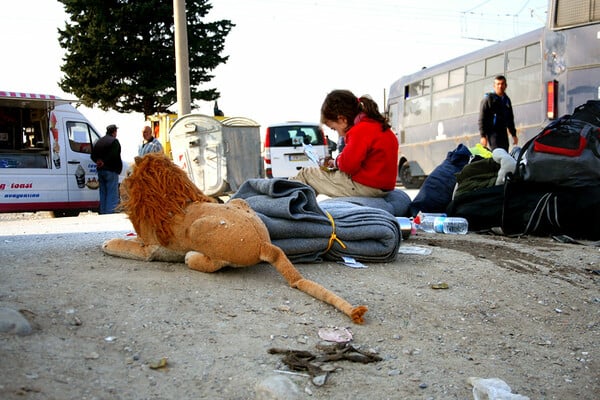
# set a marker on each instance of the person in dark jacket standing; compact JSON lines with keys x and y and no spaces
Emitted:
{"x":106,"y":153}
{"x":496,"y":118}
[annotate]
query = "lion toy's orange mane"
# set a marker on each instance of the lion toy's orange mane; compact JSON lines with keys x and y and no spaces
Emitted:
{"x":155,"y":191}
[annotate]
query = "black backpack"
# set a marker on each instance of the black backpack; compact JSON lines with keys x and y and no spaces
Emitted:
{"x":566,"y":152}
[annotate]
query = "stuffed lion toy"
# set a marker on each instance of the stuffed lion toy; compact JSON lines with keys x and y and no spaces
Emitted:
{"x":175,"y":222}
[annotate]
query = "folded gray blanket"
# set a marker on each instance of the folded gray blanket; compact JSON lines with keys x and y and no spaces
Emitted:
{"x":396,"y":202}
{"x":302,"y":227}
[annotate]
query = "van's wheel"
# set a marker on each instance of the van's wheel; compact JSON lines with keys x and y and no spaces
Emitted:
{"x":65,"y":213}
{"x":408,"y":180}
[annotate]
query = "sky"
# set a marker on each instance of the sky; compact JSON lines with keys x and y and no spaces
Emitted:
{"x":284,"y":55}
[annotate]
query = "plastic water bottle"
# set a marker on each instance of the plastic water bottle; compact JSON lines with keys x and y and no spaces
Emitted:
{"x":452,"y":225}
{"x":424,"y":221}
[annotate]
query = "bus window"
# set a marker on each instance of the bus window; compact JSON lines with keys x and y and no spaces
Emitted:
{"x":417,"y":111}
{"x":494,"y":65}
{"x":524,"y":85}
{"x":427,"y":86}
{"x":474,"y":92}
{"x":524,"y":74}
{"x":447,"y":104}
{"x":515,"y":59}
{"x":393,"y":113}
{"x":457,"y":77}
{"x":419,"y":88}
{"x":475,"y":71}
{"x":534,"y":54}
{"x":524,"y":56}
{"x":440,"y":82}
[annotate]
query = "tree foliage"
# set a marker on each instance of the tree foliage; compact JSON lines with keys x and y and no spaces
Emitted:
{"x":120,"y":54}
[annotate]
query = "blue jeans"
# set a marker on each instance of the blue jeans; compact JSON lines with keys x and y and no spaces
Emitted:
{"x":109,"y":191}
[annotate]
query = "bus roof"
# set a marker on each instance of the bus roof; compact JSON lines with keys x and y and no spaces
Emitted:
{"x":474,"y":56}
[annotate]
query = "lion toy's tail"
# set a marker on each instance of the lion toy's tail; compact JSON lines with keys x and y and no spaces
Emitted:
{"x":276,"y":257}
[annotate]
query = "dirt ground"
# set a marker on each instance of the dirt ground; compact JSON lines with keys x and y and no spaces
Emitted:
{"x":525,"y":310}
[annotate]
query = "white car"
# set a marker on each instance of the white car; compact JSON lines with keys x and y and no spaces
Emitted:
{"x":284,"y":152}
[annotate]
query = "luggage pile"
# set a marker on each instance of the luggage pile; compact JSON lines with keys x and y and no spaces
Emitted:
{"x":551,"y":188}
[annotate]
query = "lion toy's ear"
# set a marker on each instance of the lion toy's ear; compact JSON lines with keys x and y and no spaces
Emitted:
{"x":137,"y":159}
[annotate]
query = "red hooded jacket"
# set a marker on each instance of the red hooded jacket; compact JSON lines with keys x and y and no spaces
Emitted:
{"x":370,"y":156}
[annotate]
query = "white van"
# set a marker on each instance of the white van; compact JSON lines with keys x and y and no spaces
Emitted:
{"x":284,"y":147}
{"x":45,"y":164}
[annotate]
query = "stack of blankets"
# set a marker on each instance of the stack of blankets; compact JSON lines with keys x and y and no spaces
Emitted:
{"x":364,"y":229}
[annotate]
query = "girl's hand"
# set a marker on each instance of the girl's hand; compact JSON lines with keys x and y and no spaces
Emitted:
{"x":328,"y":163}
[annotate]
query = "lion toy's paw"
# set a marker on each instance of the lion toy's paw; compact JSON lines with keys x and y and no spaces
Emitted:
{"x":116,"y":247}
{"x":107,"y":244}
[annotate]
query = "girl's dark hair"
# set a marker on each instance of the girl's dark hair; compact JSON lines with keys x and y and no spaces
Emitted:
{"x":346,"y":104}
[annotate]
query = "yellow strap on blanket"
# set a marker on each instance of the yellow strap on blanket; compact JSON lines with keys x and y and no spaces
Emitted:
{"x":333,"y":237}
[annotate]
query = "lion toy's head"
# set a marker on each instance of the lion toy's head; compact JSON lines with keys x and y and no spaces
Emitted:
{"x":155,"y":192}
{"x":175,"y":221}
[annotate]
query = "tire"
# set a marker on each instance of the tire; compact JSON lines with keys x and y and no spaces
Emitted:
{"x":407,"y":179}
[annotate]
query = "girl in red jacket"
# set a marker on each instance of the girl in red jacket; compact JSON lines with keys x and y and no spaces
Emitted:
{"x":369,"y":163}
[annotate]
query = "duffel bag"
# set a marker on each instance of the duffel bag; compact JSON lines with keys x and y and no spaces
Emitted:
{"x":481,"y":207}
{"x":529,"y":208}
{"x":539,"y":209}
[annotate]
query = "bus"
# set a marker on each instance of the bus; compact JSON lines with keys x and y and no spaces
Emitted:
{"x":549,"y":71}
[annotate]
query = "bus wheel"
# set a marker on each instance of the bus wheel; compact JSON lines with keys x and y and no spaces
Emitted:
{"x":408,"y":180}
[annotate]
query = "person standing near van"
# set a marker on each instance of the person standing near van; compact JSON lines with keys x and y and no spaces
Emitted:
{"x":496,"y":118}
{"x":369,"y":163}
{"x":150,"y":143}
{"x":106,"y":153}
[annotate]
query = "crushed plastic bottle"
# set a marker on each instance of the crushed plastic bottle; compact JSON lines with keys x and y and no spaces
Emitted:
{"x":493,"y":389}
{"x":451,"y":225}
{"x":424,"y":221}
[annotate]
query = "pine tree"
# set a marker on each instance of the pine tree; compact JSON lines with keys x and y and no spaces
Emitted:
{"x":120,"y":54}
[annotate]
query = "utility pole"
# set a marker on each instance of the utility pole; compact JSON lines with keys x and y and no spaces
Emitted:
{"x":182,"y":62}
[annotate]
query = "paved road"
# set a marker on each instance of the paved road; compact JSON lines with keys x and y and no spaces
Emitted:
{"x":42,"y":224}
